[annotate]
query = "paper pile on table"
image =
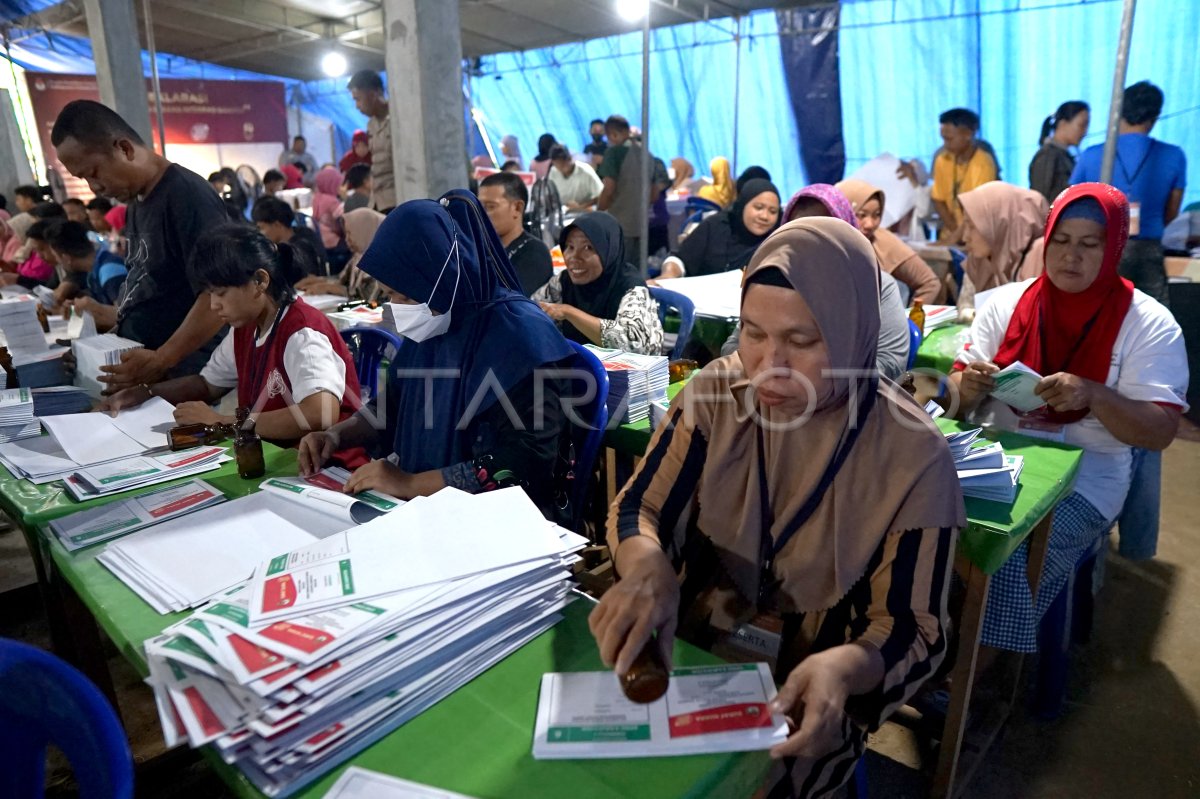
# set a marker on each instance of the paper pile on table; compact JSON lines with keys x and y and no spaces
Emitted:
{"x":93,"y":352}
{"x":96,"y":525}
{"x":658,"y":412}
{"x":359,"y":316}
{"x":57,"y":400}
{"x":23,"y":333}
{"x":360,"y":783}
{"x":80,"y":440}
{"x":331,"y":646}
{"x":939,"y":316}
{"x":634,"y":381}
{"x":985,"y":471}
{"x":707,"y":709}
{"x":324,"y":302}
{"x":140,"y":471}
{"x":17,"y":415}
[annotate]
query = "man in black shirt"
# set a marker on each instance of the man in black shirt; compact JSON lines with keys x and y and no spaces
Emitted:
{"x":504,"y":197}
{"x":276,"y":220}
{"x":597,"y":146}
{"x":169,"y":208}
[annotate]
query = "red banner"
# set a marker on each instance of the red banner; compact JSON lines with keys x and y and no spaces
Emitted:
{"x":195,"y":111}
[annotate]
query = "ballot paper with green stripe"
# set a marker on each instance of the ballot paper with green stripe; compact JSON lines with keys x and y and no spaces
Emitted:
{"x":105,"y":523}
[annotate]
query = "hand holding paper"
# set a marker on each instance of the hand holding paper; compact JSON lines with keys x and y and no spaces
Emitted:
{"x":1016,"y":386}
{"x":1066,"y":392}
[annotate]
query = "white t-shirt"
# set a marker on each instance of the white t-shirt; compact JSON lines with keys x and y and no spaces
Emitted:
{"x":1149,"y":363}
{"x":583,"y":186}
{"x":308,"y":358}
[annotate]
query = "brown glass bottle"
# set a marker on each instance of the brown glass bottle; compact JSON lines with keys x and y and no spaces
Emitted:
{"x":917,"y":315}
{"x":647,"y":678}
{"x":247,"y":447}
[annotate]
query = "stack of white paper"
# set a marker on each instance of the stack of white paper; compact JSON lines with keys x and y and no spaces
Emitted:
{"x":718,"y":296}
{"x":102,"y":479}
{"x":634,"y":381}
{"x":706,"y":709}
{"x":93,"y":352}
{"x":939,"y":316}
{"x":22,"y":331}
{"x":332,"y":645}
{"x":92,"y":526}
{"x":89,"y":438}
{"x":984,"y":471}
{"x":658,"y":411}
{"x":359,"y":316}
{"x":17,"y":415}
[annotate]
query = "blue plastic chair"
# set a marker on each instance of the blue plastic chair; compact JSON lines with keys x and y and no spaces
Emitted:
{"x":915,"y":337}
{"x":43,"y":701}
{"x":587,"y":437}
{"x":369,"y":347}
{"x":668,"y":300}
{"x":1068,"y":620}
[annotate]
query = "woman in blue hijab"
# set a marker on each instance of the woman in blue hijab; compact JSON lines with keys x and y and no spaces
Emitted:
{"x":463,"y":394}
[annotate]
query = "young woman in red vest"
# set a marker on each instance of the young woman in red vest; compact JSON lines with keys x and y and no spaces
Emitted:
{"x":286,"y":360}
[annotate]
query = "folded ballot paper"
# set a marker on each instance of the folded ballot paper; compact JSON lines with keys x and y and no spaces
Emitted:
{"x":360,"y":783}
{"x":394,"y":616}
{"x":1015,"y":386}
{"x":140,"y":471}
{"x":706,"y":710}
{"x":92,"y":352}
{"x":96,"y":525}
{"x":17,"y":415}
{"x":634,"y":381}
{"x":984,"y":470}
{"x":22,"y":330}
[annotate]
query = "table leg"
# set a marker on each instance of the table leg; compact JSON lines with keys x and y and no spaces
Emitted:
{"x":1039,"y":545}
{"x":61,"y":640}
{"x":962,"y":678}
{"x":87,"y":646}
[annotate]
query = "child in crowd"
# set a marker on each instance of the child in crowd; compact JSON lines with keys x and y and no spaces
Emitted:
{"x":284,"y":358}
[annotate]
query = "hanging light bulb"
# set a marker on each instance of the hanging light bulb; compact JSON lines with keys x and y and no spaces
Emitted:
{"x":333,"y":64}
{"x":633,"y":10}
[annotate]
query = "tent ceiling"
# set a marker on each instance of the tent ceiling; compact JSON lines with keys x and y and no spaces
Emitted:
{"x":288,"y":37}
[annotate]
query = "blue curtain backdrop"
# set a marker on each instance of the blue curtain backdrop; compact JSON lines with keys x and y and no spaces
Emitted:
{"x":692,"y":68}
{"x":808,"y":40}
{"x":1014,"y":61}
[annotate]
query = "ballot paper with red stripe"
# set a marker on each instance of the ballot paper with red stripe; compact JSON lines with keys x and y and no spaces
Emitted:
{"x":288,"y":698}
{"x":706,"y":710}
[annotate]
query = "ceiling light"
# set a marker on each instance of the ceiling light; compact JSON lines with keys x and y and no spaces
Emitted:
{"x":333,"y":64}
{"x":633,"y":10}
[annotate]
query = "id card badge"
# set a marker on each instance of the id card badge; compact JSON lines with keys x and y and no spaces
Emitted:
{"x":1135,"y":218}
{"x":1038,"y":428}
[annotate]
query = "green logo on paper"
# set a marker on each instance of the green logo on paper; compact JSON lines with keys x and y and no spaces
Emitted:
{"x":365,"y":607}
{"x":277,"y":564}
{"x":295,"y":489}
{"x":347,"y":577}
{"x":608,"y":733}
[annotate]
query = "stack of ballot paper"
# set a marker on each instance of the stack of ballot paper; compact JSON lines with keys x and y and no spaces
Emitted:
{"x":359,"y":316}
{"x":17,"y":415}
{"x":1015,"y":386}
{"x":939,"y":316}
{"x":23,"y":333}
{"x":658,"y":411}
{"x":331,"y":645}
{"x":984,"y":470}
{"x":102,"y":479}
{"x":57,"y":400}
{"x":95,"y":525}
{"x":707,"y":709}
{"x":80,"y":440}
{"x":95,"y":351}
{"x":634,"y":381}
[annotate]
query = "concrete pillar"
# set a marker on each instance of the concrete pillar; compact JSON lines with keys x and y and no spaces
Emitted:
{"x":113,"y":28}
{"x":14,"y":161}
{"x":423,"y":54}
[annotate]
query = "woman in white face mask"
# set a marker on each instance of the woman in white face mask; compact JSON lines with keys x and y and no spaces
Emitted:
{"x":457,"y":300}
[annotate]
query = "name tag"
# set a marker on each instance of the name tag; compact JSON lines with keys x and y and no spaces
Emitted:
{"x":1135,"y":219}
{"x":1042,"y":429}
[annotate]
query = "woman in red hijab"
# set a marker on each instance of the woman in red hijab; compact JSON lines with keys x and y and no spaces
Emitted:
{"x":295,"y":178}
{"x":1115,"y":378}
{"x":359,"y":152}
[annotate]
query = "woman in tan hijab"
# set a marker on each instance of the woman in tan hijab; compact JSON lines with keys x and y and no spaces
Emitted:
{"x":1002,"y":230}
{"x":360,"y":226}
{"x":685,"y":173}
{"x":895,"y":257}
{"x":774,"y":467}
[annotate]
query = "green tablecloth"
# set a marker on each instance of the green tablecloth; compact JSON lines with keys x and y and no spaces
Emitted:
{"x":477,"y":741}
{"x":994,"y":530}
{"x":938,"y":349}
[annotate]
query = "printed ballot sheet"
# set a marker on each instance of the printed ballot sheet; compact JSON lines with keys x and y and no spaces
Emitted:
{"x":121,"y":518}
{"x":359,"y":783}
{"x":1015,"y":386}
{"x":707,"y":709}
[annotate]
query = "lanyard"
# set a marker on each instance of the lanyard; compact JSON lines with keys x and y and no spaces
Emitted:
{"x":1130,"y":179}
{"x":770,"y":547}
{"x":259,"y":364}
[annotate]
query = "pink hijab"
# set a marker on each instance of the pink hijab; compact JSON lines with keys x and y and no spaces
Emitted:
{"x":327,"y":208}
{"x":834,"y":201}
